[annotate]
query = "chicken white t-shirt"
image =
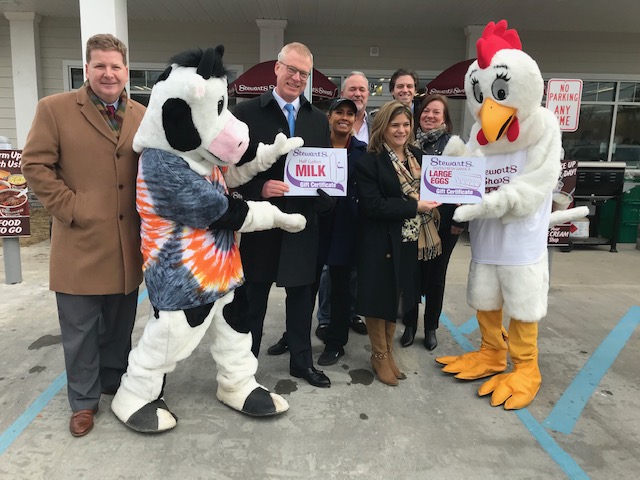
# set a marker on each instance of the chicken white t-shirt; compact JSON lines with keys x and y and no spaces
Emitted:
{"x":523,"y":242}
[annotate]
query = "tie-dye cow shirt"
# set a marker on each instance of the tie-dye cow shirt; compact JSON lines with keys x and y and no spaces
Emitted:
{"x":186,"y":264}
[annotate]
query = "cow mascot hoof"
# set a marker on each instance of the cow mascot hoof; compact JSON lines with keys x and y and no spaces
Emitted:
{"x":190,"y":145}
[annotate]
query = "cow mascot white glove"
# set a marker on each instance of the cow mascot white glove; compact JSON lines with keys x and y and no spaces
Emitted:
{"x":508,"y":229}
{"x":188,"y":139}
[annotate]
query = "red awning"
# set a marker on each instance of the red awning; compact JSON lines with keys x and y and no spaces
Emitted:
{"x":450,"y":82}
{"x":261,"y":78}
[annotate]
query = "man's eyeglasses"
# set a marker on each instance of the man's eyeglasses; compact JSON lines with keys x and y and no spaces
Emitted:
{"x":293,"y":70}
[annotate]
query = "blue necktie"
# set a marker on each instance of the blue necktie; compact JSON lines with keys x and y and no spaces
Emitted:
{"x":291,"y":118}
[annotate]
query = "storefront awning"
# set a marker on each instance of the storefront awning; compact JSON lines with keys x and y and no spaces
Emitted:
{"x":450,"y":82}
{"x":261,"y":78}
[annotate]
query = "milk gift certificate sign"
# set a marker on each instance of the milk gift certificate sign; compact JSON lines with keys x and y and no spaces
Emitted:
{"x":452,"y":179}
{"x":308,"y":168}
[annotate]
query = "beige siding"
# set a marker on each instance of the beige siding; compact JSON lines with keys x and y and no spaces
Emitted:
{"x":349,"y":49}
{"x":584,"y":53}
{"x":156,"y":42}
{"x":59,"y":40}
{"x":7,"y":108}
{"x":148,"y":43}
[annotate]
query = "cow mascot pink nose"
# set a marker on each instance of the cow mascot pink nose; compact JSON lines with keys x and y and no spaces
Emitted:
{"x":231,"y":142}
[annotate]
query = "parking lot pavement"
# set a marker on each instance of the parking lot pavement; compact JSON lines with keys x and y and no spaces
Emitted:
{"x":584,"y":423}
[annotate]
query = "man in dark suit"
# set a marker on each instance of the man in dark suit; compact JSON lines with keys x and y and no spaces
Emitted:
{"x":290,"y":260}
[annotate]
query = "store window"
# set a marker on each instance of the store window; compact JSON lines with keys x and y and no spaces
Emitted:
{"x":609,"y":125}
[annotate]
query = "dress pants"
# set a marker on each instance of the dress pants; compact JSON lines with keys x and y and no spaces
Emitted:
{"x":338,"y":332}
{"x":96,"y":338}
{"x":433,"y":276}
{"x":324,"y":295}
{"x":298,"y":311}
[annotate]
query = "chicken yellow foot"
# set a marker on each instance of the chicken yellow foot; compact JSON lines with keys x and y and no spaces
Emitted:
{"x":516,"y":389}
{"x":473,"y":365}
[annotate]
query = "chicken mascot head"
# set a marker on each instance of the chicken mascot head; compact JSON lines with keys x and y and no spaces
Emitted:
{"x":508,"y":229}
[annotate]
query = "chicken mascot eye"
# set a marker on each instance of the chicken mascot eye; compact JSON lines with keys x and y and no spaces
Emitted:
{"x":500,"y":88}
{"x":220,"y":105}
{"x":477,"y":93}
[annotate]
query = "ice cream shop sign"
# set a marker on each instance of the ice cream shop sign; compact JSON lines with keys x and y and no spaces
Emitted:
{"x":14,"y":204}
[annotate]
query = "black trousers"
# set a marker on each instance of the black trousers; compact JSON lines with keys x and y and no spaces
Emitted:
{"x":338,"y":331}
{"x":298,"y":308}
{"x":433,"y":276}
{"x":96,"y":339}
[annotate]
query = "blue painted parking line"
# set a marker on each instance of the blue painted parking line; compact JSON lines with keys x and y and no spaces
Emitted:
{"x":469,"y":326}
{"x":16,"y":428}
{"x":562,"y":458}
{"x":565,"y":414}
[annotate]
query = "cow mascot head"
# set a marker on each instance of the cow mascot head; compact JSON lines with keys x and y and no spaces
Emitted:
{"x":190,"y":145}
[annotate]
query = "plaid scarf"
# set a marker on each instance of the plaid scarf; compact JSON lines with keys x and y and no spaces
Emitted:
{"x":424,"y":226}
{"x":429,"y":137}
{"x":116,"y":122}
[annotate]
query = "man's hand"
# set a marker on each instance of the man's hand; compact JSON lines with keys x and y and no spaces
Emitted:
{"x":274,"y":188}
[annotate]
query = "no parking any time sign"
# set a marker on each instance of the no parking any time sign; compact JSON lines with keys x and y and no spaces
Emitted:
{"x":563,"y":99}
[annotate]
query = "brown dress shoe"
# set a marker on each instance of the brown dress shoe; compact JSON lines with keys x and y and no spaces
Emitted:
{"x":81,"y":422}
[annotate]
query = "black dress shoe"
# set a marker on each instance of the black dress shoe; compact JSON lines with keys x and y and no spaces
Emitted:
{"x":279,"y":348}
{"x":329,"y":357}
{"x":321,"y":331}
{"x":430,"y":340}
{"x":358,"y":326}
{"x":313,"y":376}
{"x":408,"y":336}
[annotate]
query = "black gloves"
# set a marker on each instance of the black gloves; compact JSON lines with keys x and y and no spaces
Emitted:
{"x":323,"y":203}
{"x":235,"y":215}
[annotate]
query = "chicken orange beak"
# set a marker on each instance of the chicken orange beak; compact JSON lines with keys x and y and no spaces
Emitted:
{"x":495,"y":119}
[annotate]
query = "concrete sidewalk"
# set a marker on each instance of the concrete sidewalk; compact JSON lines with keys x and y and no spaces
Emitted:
{"x":584,"y":423}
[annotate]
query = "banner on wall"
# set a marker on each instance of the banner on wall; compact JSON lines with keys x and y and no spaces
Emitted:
{"x":14,"y":202}
{"x":563,"y":199}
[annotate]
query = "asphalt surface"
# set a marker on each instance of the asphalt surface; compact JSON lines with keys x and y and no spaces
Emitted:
{"x":584,"y":423}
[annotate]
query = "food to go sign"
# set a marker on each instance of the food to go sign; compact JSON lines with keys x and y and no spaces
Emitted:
{"x":563,"y":99}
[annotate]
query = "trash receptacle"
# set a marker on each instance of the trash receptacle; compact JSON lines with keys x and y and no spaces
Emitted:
{"x":629,"y":216}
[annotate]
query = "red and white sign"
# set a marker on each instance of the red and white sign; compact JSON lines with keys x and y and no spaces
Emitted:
{"x":563,"y":99}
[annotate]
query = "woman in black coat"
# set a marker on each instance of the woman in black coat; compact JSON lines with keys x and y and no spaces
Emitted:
{"x":388,"y":239}
{"x":433,"y":133}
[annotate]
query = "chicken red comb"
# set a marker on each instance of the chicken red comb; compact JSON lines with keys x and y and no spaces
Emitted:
{"x":496,"y":37}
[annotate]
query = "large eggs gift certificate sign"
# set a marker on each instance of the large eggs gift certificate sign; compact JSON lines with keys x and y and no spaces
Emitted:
{"x":452,"y":179}
{"x":308,"y":168}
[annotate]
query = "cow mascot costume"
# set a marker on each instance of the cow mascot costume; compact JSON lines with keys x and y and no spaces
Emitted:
{"x":508,"y":229}
{"x":189,"y":144}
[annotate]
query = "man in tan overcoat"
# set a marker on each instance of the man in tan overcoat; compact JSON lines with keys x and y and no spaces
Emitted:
{"x":79,"y":161}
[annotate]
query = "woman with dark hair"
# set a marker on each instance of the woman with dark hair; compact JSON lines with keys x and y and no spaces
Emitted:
{"x":395,"y":229}
{"x":432,"y":135}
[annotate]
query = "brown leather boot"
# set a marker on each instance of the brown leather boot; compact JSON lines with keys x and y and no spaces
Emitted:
{"x":376,"y":328}
{"x":390,"y":330}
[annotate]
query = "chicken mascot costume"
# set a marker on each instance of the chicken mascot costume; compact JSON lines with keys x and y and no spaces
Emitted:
{"x":508,"y":229}
{"x":190,"y":144}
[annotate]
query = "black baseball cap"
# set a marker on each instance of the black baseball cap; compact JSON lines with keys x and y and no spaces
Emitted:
{"x":342,"y":101}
